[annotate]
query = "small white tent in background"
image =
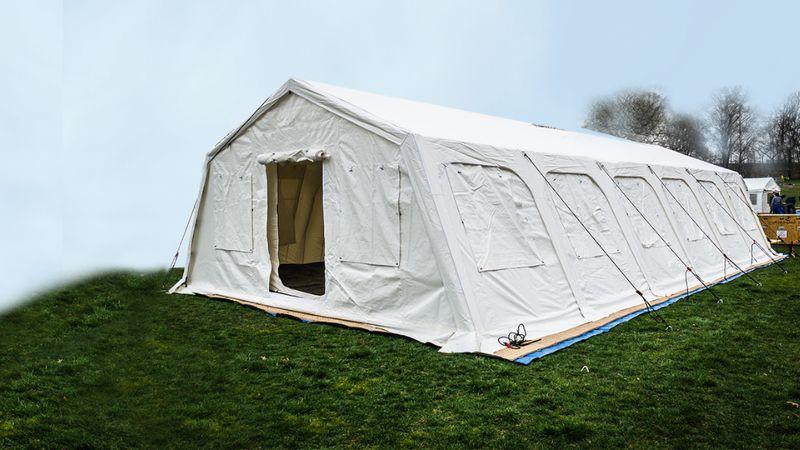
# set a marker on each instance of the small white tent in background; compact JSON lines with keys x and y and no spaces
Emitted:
{"x":758,"y":190}
{"x":452,"y":227}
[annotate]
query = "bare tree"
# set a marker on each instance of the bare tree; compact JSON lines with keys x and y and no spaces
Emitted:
{"x":783,"y":134}
{"x":733,"y":134}
{"x":644,"y":115}
{"x":602,"y":117}
{"x":684,"y":134}
{"x":638,"y":115}
{"x":733,"y":126}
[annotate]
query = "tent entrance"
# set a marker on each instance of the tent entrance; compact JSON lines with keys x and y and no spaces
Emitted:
{"x":300,"y":246}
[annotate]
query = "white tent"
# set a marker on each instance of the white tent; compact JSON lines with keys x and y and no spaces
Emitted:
{"x":758,"y":190}
{"x":452,"y":227}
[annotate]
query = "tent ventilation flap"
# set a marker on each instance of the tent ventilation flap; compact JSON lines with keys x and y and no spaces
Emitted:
{"x":292,"y":156}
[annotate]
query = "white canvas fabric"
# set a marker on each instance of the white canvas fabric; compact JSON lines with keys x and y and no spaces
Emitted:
{"x":758,"y":190}
{"x":453,"y":227}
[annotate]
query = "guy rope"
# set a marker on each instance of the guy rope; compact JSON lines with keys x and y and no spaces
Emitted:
{"x":687,"y":266}
{"x":737,"y":223}
{"x":656,"y":316}
{"x":724,"y":255}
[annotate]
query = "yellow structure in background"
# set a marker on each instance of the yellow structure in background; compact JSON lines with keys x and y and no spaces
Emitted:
{"x":781,"y":228}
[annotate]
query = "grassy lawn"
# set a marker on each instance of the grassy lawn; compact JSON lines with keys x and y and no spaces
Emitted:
{"x":791,"y":188}
{"x":114,"y":362}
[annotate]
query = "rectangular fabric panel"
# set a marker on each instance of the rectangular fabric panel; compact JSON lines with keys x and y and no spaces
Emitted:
{"x":705,"y":258}
{"x":658,"y":259}
{"x":638,"y":191}
{"x":685,"y":198}
{"x":590,"y":205}
{"x":740,"y":209}
{"x":498,"y":211}
{"x":369,"y":222}
{"x":712,"y":201}
{"x":233,"y":212}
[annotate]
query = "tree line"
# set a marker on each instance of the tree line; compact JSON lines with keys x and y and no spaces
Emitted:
{"x":731,"y":133}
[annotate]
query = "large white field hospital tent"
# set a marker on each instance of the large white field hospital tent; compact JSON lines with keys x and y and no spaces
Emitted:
{"x":454,"y":228}
{"x":758,"y":189}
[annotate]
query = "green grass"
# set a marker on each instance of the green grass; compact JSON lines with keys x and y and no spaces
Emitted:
{"x":114,"y":362}
{"x":790,"y":188}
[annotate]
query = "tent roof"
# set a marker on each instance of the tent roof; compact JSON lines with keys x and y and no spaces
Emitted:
{"x":762,"y":184}
{"x":456,"y":125}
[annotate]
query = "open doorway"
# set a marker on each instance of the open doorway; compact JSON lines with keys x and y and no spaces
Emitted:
{"x":301,"y":229}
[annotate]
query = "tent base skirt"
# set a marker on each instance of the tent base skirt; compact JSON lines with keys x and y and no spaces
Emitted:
{"x":554,"y":342}
{"x":524,"y":355}
{"x":303,"y":317}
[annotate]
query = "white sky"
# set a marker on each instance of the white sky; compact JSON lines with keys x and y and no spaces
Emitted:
{"x":108,"y":107}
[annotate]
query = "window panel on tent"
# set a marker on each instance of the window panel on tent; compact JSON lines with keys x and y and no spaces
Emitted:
{"x":369,"y":216}
{"x":499,"y":215}
{"x":685,"y":198}
{"x":589,"y":203}
{"x":638,"y":191}
{"x":232,"y":196}
{"x":743,"y":214}
{"x":715,"y":204}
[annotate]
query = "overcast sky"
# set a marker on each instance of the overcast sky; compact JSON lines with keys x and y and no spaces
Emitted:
{"x":108,"y":107}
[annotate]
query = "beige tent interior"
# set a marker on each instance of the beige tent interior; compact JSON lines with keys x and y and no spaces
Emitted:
{"x":455,"y":228}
